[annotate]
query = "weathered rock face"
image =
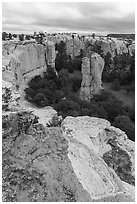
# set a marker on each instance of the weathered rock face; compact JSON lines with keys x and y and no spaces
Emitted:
{"x":85,"y":160}
{"x":73,"y":47}
{"x":21,"y":62}
{"x":113,"y":46}
{"x":89,"y":141}
{"x":36,"y":167}
{"x":92,"y":69}
{"x":50,"y":53}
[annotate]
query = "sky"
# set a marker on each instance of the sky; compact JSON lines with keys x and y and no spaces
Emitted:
{"x":83,"y":17}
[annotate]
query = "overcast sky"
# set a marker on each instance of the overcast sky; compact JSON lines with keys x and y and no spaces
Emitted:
{"x":108,"y":17}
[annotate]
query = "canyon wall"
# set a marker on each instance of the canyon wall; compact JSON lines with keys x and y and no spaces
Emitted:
{"x":21,"y":62}
{"x":112,"y":45}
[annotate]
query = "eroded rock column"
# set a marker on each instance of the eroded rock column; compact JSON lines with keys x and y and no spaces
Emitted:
{"x":92,"y":68}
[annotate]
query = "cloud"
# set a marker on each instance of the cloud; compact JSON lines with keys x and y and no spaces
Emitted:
{"x":65,"y":16}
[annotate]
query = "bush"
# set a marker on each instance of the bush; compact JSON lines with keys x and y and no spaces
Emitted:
{"x":76,"y":83}
{"x":65,"y":105}
{"x":113,"y":107}
{"x":40,"y":100}
{"x":116,"y":85}
{"x":124,"y":123}
{"x":50,"y":73}
{"x":30,"y":93}
{"x":103,"y":96}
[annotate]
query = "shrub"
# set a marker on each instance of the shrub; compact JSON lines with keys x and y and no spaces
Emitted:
{"x":50,"y":73}
{"x":76,"y":83}
{"x":56,"y":121}
{"x":64,"y":105}
{"x":30,"y":93}
{"x":103,"y":96}
{"x":40,"y":100}
{"x":113,"y":108}
{"x":94,"y":110}
{"x":116,"y":85}
{"x":124,"y":123}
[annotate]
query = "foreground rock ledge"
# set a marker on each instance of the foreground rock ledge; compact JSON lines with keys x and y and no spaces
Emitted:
{"x":88,"y":140}
{"x":68,"y":163}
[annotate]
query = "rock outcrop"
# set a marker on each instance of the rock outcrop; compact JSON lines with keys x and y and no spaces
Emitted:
{"x":36,"y":167}
{"x":86,"y":160}
{"x":22,"y":62}
{"x":89,"y":141}
{"x":113,"y":46}
{"x":92,"y":69}
{"x":50,"y":53}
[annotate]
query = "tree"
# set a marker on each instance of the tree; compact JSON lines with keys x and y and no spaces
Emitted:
{"x":21,"y":37}
{"x":4,"y":35}
{"x":93,"y":35}
{"x":124,"y":123}
{"x":10,"y":36}
{"x":40,"y":100}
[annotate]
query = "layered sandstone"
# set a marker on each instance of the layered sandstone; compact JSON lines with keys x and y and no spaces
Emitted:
{"x":92,"y":68}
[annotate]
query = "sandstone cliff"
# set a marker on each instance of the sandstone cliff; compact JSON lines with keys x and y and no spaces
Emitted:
{"x":111,"y":45}
{"x":21,"y":62}
{"x":92,"y":68}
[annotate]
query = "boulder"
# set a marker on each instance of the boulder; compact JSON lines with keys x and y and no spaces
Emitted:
{"x":92,"y":69}
{"x":90,"y":140}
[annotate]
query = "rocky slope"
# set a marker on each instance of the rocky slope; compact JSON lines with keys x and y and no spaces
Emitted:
{"x":67,"y":163}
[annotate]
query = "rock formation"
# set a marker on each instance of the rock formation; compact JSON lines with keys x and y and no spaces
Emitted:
{"x":74,"y":45}
{"x":82,"y":159}
{"x":50,"y":53}
{"x":36,"y":167}
{"x":21,"y":62}
{"x":71,"y":163}
{"x":113,"y":46}
{"x":92,"y":69}
{"x":89,"y":139}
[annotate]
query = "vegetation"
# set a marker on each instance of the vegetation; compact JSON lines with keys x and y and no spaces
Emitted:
{"x":120,"y":71}
{"x":120,"y":161}
{"x":64,"y":61}
{"x":117,"y":35}
{"x":116,"y":85}
{"x":61,"y":92}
